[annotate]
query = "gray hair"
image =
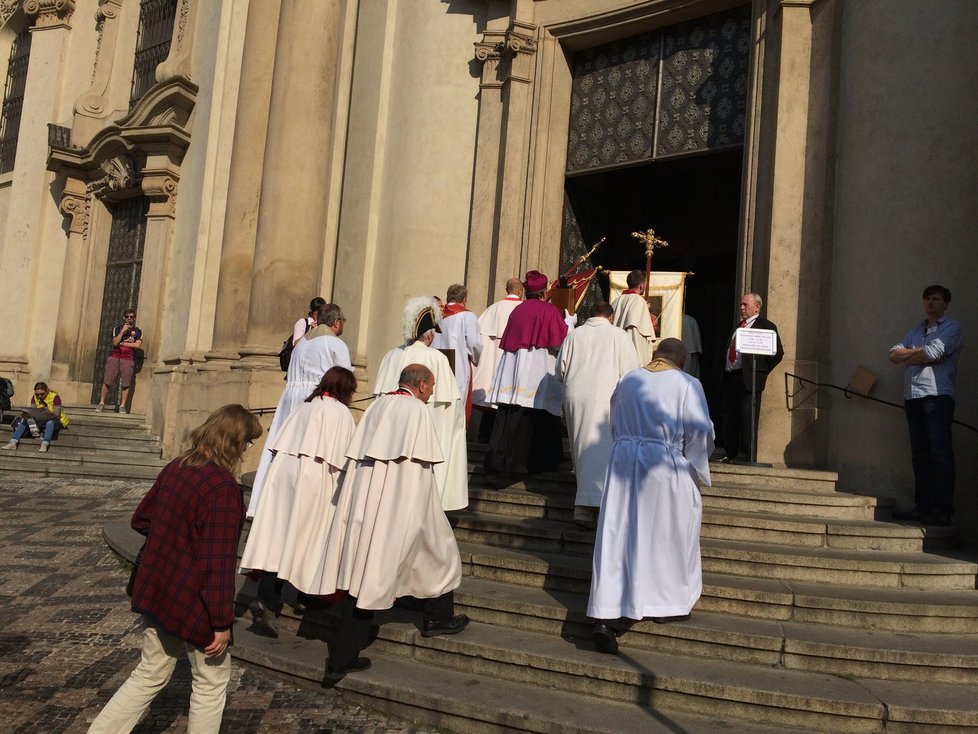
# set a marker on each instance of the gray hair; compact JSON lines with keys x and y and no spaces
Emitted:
{"x":328,"y":314}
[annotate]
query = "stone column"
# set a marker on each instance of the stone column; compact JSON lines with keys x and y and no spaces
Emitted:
{"x":244,"y":190}
{"x":32,"y":237}
{"x":791,"y":267}
{"x":497,"y":249}
{"x":76,"y":205}
{"x":295,"y":183}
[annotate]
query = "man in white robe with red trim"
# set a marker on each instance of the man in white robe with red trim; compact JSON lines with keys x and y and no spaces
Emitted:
{"x":389,"y":537}
{"x":647,"y":547}
{"x":460,"y":333}
{"x":632,"y":315}
{"x":422,"y":319}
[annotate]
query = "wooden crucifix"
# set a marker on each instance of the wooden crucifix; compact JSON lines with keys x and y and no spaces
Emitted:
{"x":652,"y":243}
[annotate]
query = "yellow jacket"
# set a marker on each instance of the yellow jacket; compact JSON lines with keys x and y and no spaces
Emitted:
{"x":48,"y":404}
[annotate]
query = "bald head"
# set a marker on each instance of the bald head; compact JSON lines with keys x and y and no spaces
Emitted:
{"x":673,"y":350}
{"x":514,"y":287}
{"x":413,"y":374}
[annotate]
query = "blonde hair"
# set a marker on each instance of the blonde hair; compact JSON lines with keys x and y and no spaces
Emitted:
{"x":222,"y":438}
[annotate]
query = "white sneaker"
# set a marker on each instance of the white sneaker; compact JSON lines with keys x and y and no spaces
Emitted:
{"x":44,"y":447}
{"x":11,"y":444}
{"x":100,"y":407}
{"x":122,"y":410}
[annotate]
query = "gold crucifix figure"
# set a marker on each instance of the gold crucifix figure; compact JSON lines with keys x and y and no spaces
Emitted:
{"x":652,"y":242}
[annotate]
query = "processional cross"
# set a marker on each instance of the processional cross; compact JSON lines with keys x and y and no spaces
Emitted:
{"x":652,"y":242}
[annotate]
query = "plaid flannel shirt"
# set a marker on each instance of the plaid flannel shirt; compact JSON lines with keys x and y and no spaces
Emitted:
{"x":192,"y":519}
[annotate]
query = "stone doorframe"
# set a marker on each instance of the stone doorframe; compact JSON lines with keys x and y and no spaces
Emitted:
{"x":140,"y":155}
{"x":521,"y":158}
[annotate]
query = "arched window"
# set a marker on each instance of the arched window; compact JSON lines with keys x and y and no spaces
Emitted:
{"x":13,"y":98}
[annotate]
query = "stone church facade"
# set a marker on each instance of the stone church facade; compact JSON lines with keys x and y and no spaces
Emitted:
{"x":217,"y":164}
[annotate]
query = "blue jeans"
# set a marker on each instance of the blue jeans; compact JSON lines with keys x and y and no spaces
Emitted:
{"x":929,"y":421}
{"x":49,"y":429}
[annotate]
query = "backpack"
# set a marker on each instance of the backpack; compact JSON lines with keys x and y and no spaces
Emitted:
{"x":138,"y":358}
{"x":285,"y":356}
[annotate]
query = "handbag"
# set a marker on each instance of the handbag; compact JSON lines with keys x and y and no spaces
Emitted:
{"x":138,"y":358}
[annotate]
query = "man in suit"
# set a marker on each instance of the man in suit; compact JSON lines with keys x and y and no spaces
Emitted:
{"x":736,"y":395}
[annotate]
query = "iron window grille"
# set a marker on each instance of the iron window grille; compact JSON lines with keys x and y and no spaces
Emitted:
{"x":156,"y":19}
{"x":13,"y":98}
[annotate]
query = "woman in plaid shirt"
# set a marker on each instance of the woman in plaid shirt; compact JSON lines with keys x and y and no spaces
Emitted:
{"x":184,"y":584}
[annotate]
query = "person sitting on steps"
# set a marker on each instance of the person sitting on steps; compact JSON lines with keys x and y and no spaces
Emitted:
{"x":43,"y":418}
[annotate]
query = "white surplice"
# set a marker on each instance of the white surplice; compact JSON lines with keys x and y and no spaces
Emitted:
{"x":389,"y":536}
{"x":632,"y":315}
{"x":591,"y":361}
{"x":492,"y":324}
{"x":296,"y":503}
{"x":315,"y":353}
{"x":460,"y":333}
{"x":647,"y":546}
{"x":447,"y":412}
{"x":527,"y":377}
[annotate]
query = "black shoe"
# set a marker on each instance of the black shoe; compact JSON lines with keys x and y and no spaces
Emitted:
{"x":728,"y":460}
{"x":333,"y":676}
{"x":605,"y":639}
{"x":914,"y":515}
{"x":433,"y":627}
{"x":299,"y":608}
{"x":262,"y":619}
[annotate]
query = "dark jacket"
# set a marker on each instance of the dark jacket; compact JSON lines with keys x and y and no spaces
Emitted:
{"x":192,"y":519}
{"x":764,"y":363}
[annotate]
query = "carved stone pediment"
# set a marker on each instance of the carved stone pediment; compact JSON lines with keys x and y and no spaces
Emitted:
{"x":119,"y":174}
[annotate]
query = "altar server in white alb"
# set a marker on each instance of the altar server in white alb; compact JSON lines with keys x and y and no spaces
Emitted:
{"x":422,"y":320}
{"x":492,"y":324}
{"x":592,"y":359}
{"x":647,"y":547}
{"x":460,"y":333}
{"x":320,"y":349}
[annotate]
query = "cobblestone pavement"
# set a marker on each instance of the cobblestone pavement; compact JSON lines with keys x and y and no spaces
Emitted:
{"x":68,"y":639}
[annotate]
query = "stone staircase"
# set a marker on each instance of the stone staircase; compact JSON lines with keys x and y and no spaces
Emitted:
{"x":94,"y":445}
{"x":818,"y":614}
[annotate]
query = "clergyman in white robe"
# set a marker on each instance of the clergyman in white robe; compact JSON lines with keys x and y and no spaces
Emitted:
{"x":447,"y":413}
{"x":312,"y":357}
{"x":460,"y":333}
{"x":647,"y":548}
{"x":591,"y":361}
{"x":632,"y":315}
{"x":492,"y":324}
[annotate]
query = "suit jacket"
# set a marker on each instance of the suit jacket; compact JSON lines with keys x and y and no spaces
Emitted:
{"x":765,"y":363}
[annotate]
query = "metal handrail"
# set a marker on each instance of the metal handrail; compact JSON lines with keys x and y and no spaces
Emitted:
{"x":849,"y":393}
{"x":269,"y":411}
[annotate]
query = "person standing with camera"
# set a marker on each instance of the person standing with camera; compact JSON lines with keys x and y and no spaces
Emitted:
{"x":121,"y":365}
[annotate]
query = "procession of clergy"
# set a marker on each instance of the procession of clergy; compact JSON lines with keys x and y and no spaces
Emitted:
{"x":339,"y":507}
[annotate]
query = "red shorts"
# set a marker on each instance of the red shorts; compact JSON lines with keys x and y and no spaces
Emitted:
{"x":117,"y":367}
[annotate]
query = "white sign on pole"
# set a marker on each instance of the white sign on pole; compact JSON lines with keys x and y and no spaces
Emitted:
{"x":757,"y":341}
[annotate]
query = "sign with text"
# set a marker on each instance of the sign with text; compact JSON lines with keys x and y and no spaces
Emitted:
{"x":757,"y":341}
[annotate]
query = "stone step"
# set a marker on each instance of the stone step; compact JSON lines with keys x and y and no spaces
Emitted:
{"x":945,"y":658}
{"x":128,"y":432}
{"x":763,"y":560}
{"x":527,"y":511}
{"x":28,"y":459}
{"x":473,"y":702}
{"x":860,"y":607}
{"x":732,"y":691}
{"x":773,"y":477}
{"x":834,"y":505}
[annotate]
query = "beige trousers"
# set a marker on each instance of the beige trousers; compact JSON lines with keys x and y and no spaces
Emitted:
{"x":159,"y":656}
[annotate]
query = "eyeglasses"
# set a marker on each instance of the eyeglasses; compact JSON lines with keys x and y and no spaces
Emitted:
{"x":130,"y":315}
{"x":249,"y":444}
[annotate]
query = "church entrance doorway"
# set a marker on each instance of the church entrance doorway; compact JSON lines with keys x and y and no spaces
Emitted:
{"x":656,"y":141}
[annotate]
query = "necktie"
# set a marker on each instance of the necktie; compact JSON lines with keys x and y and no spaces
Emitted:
{"x":732,"y":349}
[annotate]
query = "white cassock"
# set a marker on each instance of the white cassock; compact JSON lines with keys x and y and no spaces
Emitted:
{"x":295,"y":507}
{"x":460,"y":332}
{"x":389,"y":536}
{"x":315,"y":353}
{"x":492,"y":324}
{"x":591,"y":361}
{"x":447,"y":413}
{"x":647,"y":545}
{"x":693,"y":343}
{"x":527,"y":377}
{"x":632,"y":315}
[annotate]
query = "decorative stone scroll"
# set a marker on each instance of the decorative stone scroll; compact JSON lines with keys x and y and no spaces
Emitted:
{"x":506,"y":55}
{"x":119,"y":175}
{"x":49,"y":13}
{"x":76,"y":204}
{"x":161,"y":190}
